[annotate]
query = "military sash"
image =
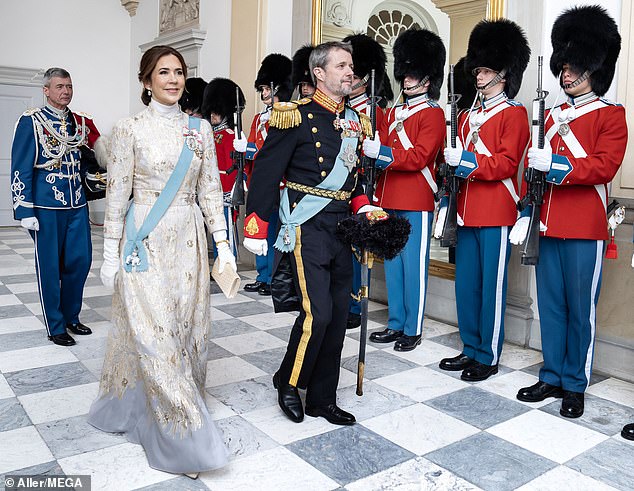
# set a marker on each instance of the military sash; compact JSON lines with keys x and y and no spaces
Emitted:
{"x":310,"y":204}
{"x":134,"y":251}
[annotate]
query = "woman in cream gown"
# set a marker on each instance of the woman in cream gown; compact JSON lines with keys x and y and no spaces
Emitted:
{"x":153,"y":377}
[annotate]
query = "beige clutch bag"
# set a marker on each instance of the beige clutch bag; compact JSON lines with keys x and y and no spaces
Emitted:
{"x":228,"y":280}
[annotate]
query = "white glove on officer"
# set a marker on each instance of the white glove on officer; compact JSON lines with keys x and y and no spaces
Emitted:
{"x":225,"y":256}
{"x":240,"y":144}
{"x":30,"y":223}
{"x":371,"y":148}
{"x":259,"y":247}
{"x":110,"y":266}
{"x":368,"y":208}
{"x":440,"y":222}
{"x":540,"y":159}
{"x":453,"y":156}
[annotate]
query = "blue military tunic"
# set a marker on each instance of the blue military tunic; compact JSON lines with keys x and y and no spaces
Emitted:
{"x":46,"y":184}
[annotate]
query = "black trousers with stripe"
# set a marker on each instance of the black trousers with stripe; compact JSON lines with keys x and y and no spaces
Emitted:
{"x":322,"y":267}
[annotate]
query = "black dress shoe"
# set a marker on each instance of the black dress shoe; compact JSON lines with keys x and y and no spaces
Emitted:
{"x":288,"y":399}
{"x":572,"y":405}
{"x":407,"y":343}
{"x":63,"y":339}
{"x":253,"y":287}
{"x":456,"y":363}
{"x":265,"y":289}
{"x":385,"y":336}
{"x":538,"y":392}
{"x":333,"y":413}
{"x":628,"y":432}
{"x":79,"y":329}
{"x":478,"y":372}
{"x":354,"y":321}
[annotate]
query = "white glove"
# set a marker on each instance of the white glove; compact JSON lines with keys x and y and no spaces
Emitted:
{"x":30,"y":223}
{"x":367,"y":208}
{"x":110,"y":266}
{"x":540,"y":159}
{"x":519,"y":231}
{"x":633,"y":260}
{"x":440,"y":221}
{"x":371,"y":148}
{"x":225,"y":256}
{"x":240,"y":144}
{"x":453,"y":156}
{"x":259,"y":247}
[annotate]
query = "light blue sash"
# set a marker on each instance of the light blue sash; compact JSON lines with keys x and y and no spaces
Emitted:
{"x":134,"y":251}
{"x":310,"y":205}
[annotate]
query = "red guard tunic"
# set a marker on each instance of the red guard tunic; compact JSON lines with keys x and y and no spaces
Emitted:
{"x":257,"y":135}
{"x":408,"y":182}
{"x":223,"y":137}
{"x":494,"y":138}
{"x":585,"y":160}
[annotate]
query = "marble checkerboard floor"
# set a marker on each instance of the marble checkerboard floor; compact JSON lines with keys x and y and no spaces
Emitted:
{"x":418,"y":428}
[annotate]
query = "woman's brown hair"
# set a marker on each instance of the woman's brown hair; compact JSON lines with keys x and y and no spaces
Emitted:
{"x":148,"y":62}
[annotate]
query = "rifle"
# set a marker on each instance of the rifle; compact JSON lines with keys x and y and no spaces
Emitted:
{"x":535,"y":180}
{"x":237,"y":196}
{"x":369,"y":171}
{"x":451,"y":184}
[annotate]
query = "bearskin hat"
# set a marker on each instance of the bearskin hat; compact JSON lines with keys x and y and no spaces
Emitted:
{"x":464,"y":84}
{"x":192,"y":97}
{"x":367,"y":54}
{"x":587,"y":38}
{"x":301,"y":70}
{"x":499,"y":45}
{"x":420,"y":53}
{"x":220,"y":98}
{"x":276,"y":68}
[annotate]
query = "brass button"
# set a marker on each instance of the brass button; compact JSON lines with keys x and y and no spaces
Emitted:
{"x":561,"y":148}
{"x":294,"y":205}
{"x":323,"y":173}
{"x":318,"y":144}
{"x":314,"y":130}
{"x":321,"y":159}
{"x":310,"y":115}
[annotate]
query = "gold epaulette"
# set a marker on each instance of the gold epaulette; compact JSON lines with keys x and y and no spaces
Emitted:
{"x":366,"y":124}
{"x":84,"y":115}
{"x":285,"y":115}
{"x":31,"y":111}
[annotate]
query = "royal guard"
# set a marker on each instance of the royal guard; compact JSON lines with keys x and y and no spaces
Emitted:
{"x":585,"y":140}
{"x":50,"y":202}
{"x":301,"y":73}
{"x":219,"y":108}
{"x":273,"y":82}
{"x":411,"y":137}
{"x":192,"y":98}
{"x":492,"y":138}
{"x":367,"y":55}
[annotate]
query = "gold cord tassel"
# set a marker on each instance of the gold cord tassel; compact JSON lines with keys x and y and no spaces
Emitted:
{"x":366,"y":124}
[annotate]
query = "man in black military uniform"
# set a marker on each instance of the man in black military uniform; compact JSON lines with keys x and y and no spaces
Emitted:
{"x":314,"y":144}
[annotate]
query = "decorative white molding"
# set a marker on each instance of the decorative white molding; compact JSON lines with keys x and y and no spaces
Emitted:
{"x":21,"y":76}
{"x":187,"y":41}
{"x":462,"y":8}
{"x":176,"y":14}
{"x":338,"y":12}
{"x":130,"y":6}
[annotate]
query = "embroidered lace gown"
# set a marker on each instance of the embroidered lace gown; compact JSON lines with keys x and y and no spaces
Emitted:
{"x":153,"y":378}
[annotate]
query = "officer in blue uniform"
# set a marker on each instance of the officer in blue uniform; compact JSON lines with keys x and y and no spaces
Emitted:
{"x":49,"y":201}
